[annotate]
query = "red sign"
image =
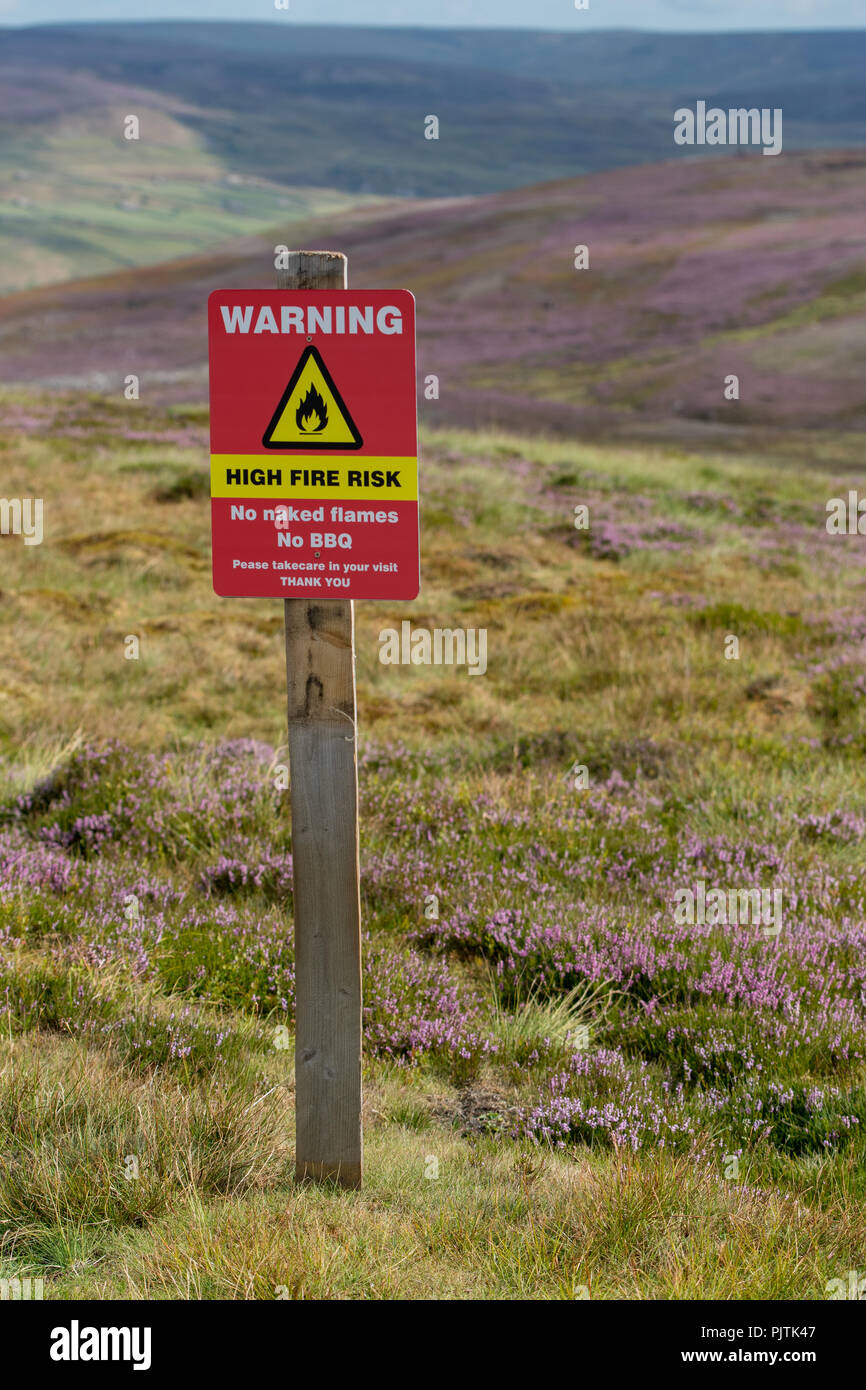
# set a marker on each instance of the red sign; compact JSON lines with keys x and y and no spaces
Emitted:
{"x":314,"y":453}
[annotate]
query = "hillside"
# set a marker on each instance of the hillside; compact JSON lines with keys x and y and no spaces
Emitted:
{"x":245,"y":124}
{"x":559,"y":1073}
{"x":698,"y":270}
{"x":612,"y":875}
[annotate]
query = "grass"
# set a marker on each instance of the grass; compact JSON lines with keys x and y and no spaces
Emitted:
{"x":211,"y":1213}
{"x":581,"y":636}
{"x":536,"y":1023}
{"x":81,"y":200}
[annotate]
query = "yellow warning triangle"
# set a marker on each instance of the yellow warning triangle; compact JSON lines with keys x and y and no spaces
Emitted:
{"x":311,"y":413}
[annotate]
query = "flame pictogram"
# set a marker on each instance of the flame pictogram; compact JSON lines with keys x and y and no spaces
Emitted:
{"x":311,"y":415}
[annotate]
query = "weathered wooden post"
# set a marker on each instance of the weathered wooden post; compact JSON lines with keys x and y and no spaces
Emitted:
{"x":323,"y":768}
{"x":314,"y":499}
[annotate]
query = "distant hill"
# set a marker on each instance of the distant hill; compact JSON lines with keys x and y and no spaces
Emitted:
{"x":247,"y":124}
{"x":698,"y":270}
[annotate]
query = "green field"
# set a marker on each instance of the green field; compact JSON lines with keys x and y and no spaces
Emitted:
{"x":567,"y":1094}
{"x":79,"y":199}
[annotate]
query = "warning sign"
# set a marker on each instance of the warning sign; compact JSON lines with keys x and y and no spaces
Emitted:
{"x":314,"y":457}
{"x":311,"y":413}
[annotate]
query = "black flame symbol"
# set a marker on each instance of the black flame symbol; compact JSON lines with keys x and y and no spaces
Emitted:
{"x":312,"y":414}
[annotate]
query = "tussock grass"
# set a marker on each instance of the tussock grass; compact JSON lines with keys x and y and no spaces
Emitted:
{"x":570,"y":1020}
{"x":88,"y":1149}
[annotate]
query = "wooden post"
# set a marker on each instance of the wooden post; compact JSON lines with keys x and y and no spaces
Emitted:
{"x":320,"y":674}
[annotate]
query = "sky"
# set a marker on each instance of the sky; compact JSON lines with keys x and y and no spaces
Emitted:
{"x":676,"y":15}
